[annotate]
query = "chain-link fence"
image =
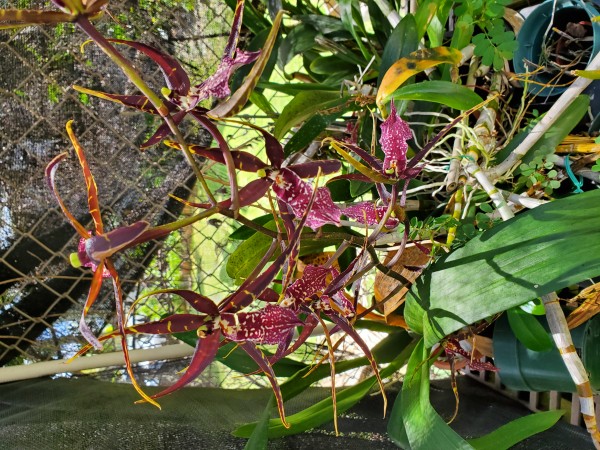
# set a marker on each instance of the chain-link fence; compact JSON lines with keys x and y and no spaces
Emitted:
{"x":41,"y":294}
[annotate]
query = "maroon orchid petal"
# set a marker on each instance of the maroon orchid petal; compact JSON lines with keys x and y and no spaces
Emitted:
{"x":394,"y":134}
{"x":105,"y":245}
{"x":309,"y":325}
{"x":163,"y":131}
{"x":175,"y":76}
{"x":51,"y":180}
{"x":347,"y":328}
{"x":139,"y":102}
{"x":453,"y":348}
{"x":269,"y":325}
{"x":176,"y":323}
{"x":338,"y":303}
{"x":367,"y":212}
{"x":290,"y":188}
{"x":197,"y":301}
{"x":206,"y":350}
{"x":265,"y":366}
{"x":217,"y":85}
{"x":253,"y":288}
{"x":269,"y":295}
{"x":236,"y":27}
{"x":311,"y":169}
{"x":351,"y":176}
{"x":314,"y":280}
{"x":242,"y":160}
{"x":85,"y":261}
{"x":252,"y":192}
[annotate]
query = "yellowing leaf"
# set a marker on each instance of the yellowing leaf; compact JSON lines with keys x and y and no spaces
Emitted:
{"x":412,"y":64}
{"x":591,"y":74}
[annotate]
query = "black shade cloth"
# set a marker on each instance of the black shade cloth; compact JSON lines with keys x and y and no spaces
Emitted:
{"x":90,"y":414}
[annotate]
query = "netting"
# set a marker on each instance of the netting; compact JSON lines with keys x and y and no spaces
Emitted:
{"x":41,"y":294}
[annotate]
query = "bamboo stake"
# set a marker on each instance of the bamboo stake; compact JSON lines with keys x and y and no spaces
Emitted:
{"x":564,"y":343}
{"x":46,"y":368}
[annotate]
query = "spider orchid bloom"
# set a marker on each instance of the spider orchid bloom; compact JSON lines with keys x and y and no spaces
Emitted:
{"x":95,"y":250}
{"x":454,"y":349}
{"x":314,"y":294}
{"x":269,"y":325}
{"x":276,"y":175}
{"x":181,"y":97}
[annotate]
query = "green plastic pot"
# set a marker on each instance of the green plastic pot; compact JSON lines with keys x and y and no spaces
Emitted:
{"x":522,"y":369}
{"x":532,"y":32}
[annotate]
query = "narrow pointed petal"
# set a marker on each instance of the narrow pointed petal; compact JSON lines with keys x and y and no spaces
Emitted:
{"x":265,"y":366}
{"x":251,"y":193}
{"x":311,"y":169}
{"x":197,"y":301}
{"x":50,"y":180}
{"x":310,"y":324}
{"x":217,"y":85}
{"x":205,"y":353}
{"x":163,"y":131}
{"x":345,"y":326}
{"x":90,"y":182}
{"x":105,"y":245}
{"x":236,"y":27}
{"x":176,"y":323}
{"x":121,"y":325}
{"x":269,"y":325}
{"x":92,"y":296}
{"x":139,"y":102}
{"x":238,"y":99}
{"x":175,"y":76}
{"x":242,"y":160}
{"x":365,"y":156}
{"x":273,"y":147}
{"x":395,"y":133}
{"x":367,"y":212}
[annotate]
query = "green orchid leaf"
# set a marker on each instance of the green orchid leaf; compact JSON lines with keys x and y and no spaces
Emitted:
{"x":322,"y":412}
{"x":414,"y":424}
{"x":538,"y":252}
{"x":244,"y":232}
{"x":303,"y":106}
{"x":309,"y":131}
{"x":444,"y":92}
{"x":260,"y":436}
{"x":529,"y":331}
{"x":402,"y":42}
{"x":519,"y":429}
{"x":248,"y":254}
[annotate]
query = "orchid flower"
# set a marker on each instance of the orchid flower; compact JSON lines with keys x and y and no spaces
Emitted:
{"x":316,"y":293}
{"x":95,"y":250}
{"x":269,"y":325}
{"x":182,"y":97}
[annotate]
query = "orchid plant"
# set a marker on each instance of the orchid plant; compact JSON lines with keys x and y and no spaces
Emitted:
{"x":364,"y":140}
